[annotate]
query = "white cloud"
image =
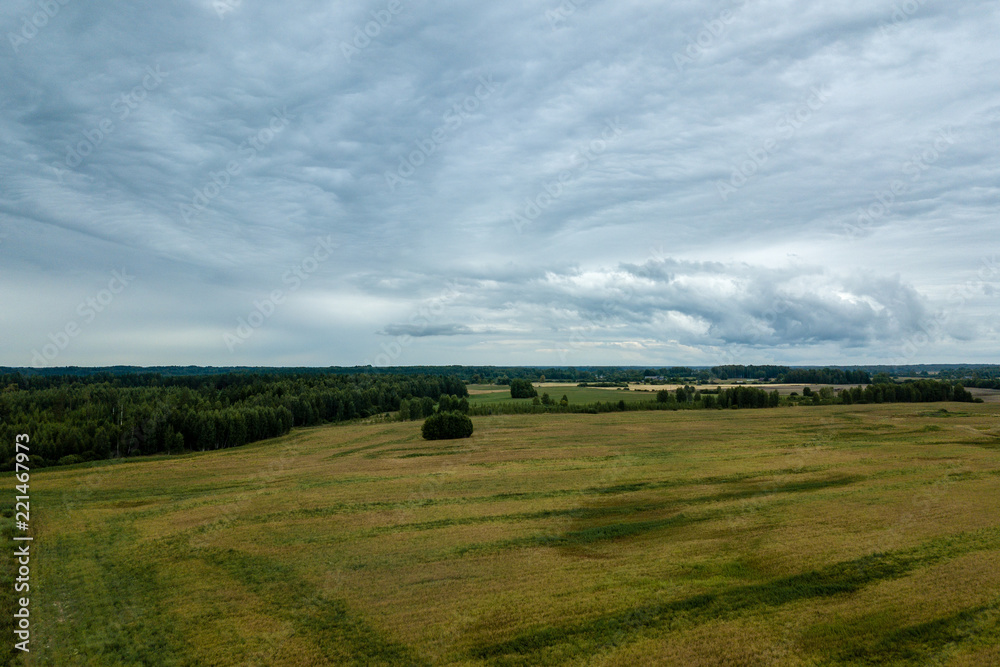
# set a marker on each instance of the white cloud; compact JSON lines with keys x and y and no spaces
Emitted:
{"x":638,"y":215}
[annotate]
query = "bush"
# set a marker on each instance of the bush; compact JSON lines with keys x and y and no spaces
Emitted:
{"x":446,"y":426}
{"x":70,"y":459}
{"x":522,"y":389}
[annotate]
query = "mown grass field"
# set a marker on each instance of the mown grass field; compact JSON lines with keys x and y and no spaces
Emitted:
{"x":844,"y":535}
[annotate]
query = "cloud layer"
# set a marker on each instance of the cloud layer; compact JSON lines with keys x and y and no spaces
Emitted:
{"x":582,"y":183}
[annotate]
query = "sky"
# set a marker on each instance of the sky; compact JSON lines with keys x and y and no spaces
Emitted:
{"x":404,"y":182}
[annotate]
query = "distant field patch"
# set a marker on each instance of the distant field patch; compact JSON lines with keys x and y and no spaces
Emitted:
{"x":576,"y":395}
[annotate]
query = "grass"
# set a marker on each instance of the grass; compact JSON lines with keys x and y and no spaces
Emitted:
{"x":575,"y":395}
{"x":841,"y":535}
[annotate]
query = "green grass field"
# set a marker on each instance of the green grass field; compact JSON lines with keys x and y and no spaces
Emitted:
{"x":576,"y":395}
{"x":846,"y":535}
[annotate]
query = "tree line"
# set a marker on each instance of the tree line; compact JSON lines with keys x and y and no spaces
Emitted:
{"x":421,"y":408}
{"x":82,"y":417}
{"x":745,"y":397}
{"x":74,"y":418}
{"x":971,"y":375}
{"x":826,"y":375}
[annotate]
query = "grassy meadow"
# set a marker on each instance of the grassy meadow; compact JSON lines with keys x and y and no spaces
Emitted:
{"x":576,"y":395}
{"x":841,"y":535}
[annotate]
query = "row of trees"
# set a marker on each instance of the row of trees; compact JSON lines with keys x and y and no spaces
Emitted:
{"x":746,"y":397}
{"x":732,"y":397}
{"x":825,"y":376}
{"x":73,"y":418}
{"x":984,"y":377}
{"x":741,"y":372}
{"x":791,"y":375}
{"x":502,"y":375}
{"x":920,"y":391}
{"x":425,"y":407}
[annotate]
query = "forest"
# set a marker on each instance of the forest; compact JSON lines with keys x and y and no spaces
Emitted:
{"x":75,"y":418}
{"x":982,"y":377}
{"x":113,"y":413}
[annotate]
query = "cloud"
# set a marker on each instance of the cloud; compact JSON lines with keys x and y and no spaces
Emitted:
{"x":708,"y":303}
{"x":417,"y":330}
{"x":734,"y":212}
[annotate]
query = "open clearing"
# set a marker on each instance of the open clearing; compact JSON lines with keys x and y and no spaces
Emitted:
{"x":828,"y":535}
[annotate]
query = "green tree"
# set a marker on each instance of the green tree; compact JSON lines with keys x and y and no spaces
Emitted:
{"x":426,"y":406}
{"x":520,"y":388}
{"x":446,"y":426}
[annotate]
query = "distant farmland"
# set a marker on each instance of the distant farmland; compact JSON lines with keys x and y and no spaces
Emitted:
{"x":843,"y":535}
{"x":575,"y":394}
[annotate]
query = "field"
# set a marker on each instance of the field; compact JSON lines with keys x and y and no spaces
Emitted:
{"x":576,"y":395}
{"x":836,"y":535}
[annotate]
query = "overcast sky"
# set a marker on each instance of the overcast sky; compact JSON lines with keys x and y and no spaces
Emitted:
{"x":239,"y":182}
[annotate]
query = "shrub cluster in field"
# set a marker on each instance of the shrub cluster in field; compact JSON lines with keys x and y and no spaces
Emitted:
{"x":548,"y":400}
{"x":446,"y":426}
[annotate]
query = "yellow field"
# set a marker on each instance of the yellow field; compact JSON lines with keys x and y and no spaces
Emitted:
{"x":793,"y":536}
